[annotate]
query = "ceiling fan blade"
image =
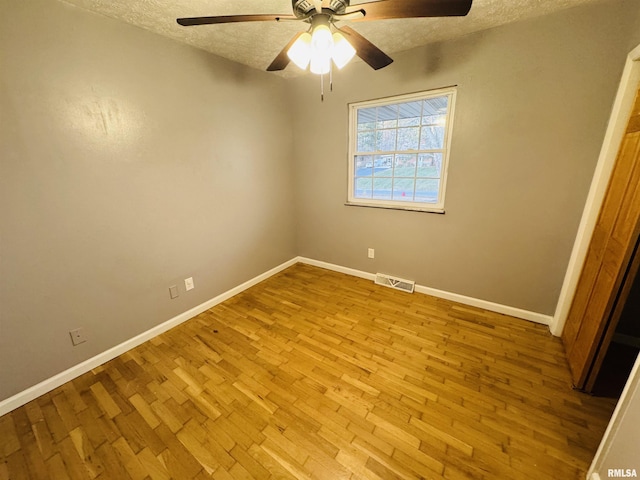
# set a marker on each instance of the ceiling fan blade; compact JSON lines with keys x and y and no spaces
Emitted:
{"x":386,"y":9}
{"x":188,"y":22}
{"x":282,"y":60}
{"x":366,"y":50}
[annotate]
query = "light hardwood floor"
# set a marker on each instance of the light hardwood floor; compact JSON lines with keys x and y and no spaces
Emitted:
{"x":316,"y":374}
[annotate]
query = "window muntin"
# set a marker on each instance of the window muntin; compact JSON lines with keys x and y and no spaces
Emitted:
{"x":398,"y":150}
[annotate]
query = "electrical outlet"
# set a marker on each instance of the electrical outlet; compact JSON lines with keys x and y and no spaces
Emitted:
{"x":78,"y":336}
{"x":188,"y":283}
{"x":371,"y":253}
{"x":173,"y":291}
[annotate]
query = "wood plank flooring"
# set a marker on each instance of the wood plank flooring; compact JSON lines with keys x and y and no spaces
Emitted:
{"x":316,"y":374}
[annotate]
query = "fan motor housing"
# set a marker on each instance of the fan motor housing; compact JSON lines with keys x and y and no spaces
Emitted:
{"x":338,"y":6}
{"x":303,"y":8}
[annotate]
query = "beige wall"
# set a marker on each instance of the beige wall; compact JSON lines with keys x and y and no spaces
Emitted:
{"x":128,"y":162}
{"x":532,"y":106}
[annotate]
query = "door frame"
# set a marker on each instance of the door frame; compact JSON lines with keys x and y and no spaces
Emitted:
{"x":613,"y":137}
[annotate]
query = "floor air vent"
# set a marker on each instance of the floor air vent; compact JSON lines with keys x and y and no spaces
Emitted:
{"x":394,"y":282}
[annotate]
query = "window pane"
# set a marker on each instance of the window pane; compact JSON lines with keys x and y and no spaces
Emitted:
{"x":383,"y":166}
{"x":429,"y":165}
{"x":427,"y":190}
{"x":382,"y":188}
{"x":405,"y":165}
{"x":387,"y":116}
{"x":362,"y":187}
{"x":434,"y":120}
{"x":409,"y":114}
{"x":408,"y":138}
{"x":385,"y":140}
{"x":435,"y":106}
{"x":367,"y":119}
{"x":366,"y":141}
{"x":403,"y":189}
{"x":432,"y":137}
{"x":363,"y":165}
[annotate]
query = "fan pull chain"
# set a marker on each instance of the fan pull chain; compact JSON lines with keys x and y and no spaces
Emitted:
{"x":322,"y":83}
{"x":331,"y":77}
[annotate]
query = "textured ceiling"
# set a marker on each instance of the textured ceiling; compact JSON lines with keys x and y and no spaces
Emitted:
{"x":257,"y":43}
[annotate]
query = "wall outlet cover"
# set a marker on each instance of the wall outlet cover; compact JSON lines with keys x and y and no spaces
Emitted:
{"x":77,"y":336}
{"x":173,"y":291}
{"x":188,"y":283}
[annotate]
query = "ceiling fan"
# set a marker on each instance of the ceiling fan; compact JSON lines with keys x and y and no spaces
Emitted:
{"x":318,"y":47}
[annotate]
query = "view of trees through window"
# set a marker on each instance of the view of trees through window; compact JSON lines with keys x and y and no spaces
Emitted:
{"x":399,"y":150}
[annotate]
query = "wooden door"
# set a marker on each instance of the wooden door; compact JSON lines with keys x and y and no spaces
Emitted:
{"x":607,"y":259}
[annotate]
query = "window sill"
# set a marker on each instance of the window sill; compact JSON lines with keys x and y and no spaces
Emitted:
{"x":439,"y":211}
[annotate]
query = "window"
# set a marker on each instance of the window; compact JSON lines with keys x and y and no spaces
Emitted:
{"x":398,"y":150}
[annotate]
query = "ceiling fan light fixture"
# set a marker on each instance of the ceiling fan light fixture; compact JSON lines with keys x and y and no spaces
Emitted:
{"x":321,"y":38}
{"x":321,"y":48}
{"x":320,"y":64}
{"x":300,"y":51}
{"x":343,"y":51}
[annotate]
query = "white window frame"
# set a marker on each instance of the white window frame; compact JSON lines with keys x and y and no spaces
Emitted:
{"x":437,"y":207}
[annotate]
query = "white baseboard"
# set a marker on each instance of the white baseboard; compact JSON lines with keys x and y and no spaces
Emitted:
{"x":485,"y":304}
{"x":337,"y":268}
{"x":455,"y":297}
{"x":49,"y":384}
